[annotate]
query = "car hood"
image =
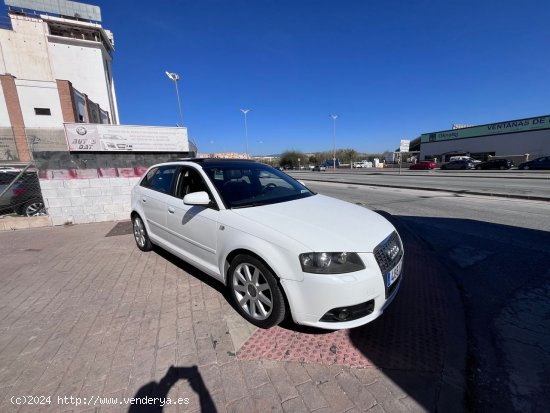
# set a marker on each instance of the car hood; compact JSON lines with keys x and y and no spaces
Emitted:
{"x":323,"y":224}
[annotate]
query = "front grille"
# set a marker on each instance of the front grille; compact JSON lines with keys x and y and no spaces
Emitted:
{"x":388,"y":254}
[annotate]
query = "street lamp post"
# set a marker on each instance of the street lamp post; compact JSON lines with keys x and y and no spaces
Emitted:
{"x":175,"y":77}
{"x":245,"y":111}
{"x":334,"y":117}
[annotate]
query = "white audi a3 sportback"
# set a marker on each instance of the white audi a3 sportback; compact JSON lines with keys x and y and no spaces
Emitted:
{"x":276,"y":245}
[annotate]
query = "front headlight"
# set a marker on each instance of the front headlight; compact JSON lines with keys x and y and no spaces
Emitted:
{"x":331,"y":262}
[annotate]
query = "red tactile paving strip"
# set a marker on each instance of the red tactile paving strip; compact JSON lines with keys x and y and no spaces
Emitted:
{"x":409,"y":336}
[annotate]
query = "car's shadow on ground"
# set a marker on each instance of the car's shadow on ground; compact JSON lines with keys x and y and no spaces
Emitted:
{"x":503,"y":275}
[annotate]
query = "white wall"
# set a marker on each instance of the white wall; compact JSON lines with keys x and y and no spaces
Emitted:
{"x":82,"y":201}
{"x":29,"y":52}
{"x":39,"y":94}
{"x":81,"y":62}
{"x":24,"y":51}
{"x":4,"y":116}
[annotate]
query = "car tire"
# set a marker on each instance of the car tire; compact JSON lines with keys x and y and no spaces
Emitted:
{"x":255,"y":291}
{"x":525,"y":168}
{"x":32,"y":208}
{"x":478,"y":168}
{"x":502,"y":168}
{"x":140,"y":234}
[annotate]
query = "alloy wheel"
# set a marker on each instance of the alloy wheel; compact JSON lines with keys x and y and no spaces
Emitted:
{"x":139,"y":232}
{"x":34,"y":208}
{"x":252,"y":291}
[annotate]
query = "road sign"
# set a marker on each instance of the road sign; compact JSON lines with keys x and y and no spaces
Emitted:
{"x":404,"y":145}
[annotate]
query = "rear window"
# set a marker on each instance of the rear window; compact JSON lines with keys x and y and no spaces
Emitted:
{"x":6,"y":178}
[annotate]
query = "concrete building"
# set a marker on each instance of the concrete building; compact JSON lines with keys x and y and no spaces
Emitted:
{"x":528,"y":137}
{"x":55,"y":67}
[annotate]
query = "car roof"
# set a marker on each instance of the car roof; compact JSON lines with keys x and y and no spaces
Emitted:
{"x":211,"y":162}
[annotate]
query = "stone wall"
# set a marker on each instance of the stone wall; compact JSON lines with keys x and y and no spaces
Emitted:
{"x":80,"y":200}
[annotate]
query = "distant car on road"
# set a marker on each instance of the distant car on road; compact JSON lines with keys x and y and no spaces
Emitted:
{"x":540,"y":163}
{"x":495,"y":164}
{"x":460,"y":164}
{"x":464,"y":158}
{"x":423,"y":165}
{"x":319,"y":168}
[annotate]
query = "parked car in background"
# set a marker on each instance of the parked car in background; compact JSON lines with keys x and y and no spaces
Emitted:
{"x":23,"y":196}
{"x":539,"y":163}
{"x":460,"y":164}
{"x":279,"y":248}
{"x":319,"y":168}
{"x":464,"y":158}
{"x":495,"y":164}
{"x":423,"y":165}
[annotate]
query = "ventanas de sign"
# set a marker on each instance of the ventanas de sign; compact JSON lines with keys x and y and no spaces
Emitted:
{"x":519,"y":125}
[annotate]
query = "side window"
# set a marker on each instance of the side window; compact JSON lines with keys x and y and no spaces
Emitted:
{"x":161,"y":181}
{"x":145,"y":182}
{"x":190,"y":181}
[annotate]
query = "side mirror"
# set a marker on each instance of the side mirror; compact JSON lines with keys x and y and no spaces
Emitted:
{"x":197,"y":198}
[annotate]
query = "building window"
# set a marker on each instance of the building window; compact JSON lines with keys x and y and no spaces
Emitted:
{"x":42,"y":111}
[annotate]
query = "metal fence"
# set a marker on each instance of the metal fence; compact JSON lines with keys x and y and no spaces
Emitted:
{"x":20,"y":191}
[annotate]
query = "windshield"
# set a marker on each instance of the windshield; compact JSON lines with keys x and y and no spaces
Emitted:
{"x":247,"y":184}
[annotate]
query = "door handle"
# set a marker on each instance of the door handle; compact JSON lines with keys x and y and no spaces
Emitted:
{"x":144,"y":199}
{"x":171,"y":210}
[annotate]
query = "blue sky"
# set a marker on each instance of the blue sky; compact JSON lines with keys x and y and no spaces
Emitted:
{"x":391,"y":70}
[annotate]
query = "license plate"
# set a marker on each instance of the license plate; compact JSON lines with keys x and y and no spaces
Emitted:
{"x":394,"y":274}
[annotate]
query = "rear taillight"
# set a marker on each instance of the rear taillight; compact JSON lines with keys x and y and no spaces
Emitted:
{"x":19,"y":191}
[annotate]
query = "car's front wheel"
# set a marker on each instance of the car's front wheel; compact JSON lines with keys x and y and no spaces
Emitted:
{"x":256,"y":292}
{"x":140,"y":234}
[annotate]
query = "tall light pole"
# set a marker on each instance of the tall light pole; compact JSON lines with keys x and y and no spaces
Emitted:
{"x":175,"y":77}
{"x":245,"y":111}
{"x":334,"y":117}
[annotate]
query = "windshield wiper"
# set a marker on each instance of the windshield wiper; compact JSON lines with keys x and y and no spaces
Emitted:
{"x":252,"y":204}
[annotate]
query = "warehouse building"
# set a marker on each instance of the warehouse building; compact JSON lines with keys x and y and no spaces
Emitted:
{"x":527,"y":138}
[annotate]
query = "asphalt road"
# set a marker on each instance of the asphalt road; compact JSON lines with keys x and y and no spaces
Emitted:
{"x":498,"y":253}
{"x":510,"y":183}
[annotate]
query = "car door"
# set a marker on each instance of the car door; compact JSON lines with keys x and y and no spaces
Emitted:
{"x":155,"y":190}
{"x":192,"y":229}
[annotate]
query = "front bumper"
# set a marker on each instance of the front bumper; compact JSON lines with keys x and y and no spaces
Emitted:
{"x":318,"y":294}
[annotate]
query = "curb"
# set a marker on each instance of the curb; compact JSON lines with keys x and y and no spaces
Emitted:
{"x":454,"y":191}
{"x":452,"y":386}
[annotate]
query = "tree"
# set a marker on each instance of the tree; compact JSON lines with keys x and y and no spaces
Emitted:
{"x":349,"y":154}
{"x":290,"y":159}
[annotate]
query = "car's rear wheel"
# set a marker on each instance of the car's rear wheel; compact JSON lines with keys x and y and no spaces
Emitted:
{"x":256,"y":292}
{"x":33,"y":208}
{"x":140,"y":234}
{"x":526,"y":167}
{"x":502,"y":168}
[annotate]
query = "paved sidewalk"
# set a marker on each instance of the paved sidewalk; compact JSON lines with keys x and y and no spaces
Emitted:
{"x":87,"y":315}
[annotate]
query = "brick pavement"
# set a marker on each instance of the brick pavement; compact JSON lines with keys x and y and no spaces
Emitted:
{"x":86,"y":315}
